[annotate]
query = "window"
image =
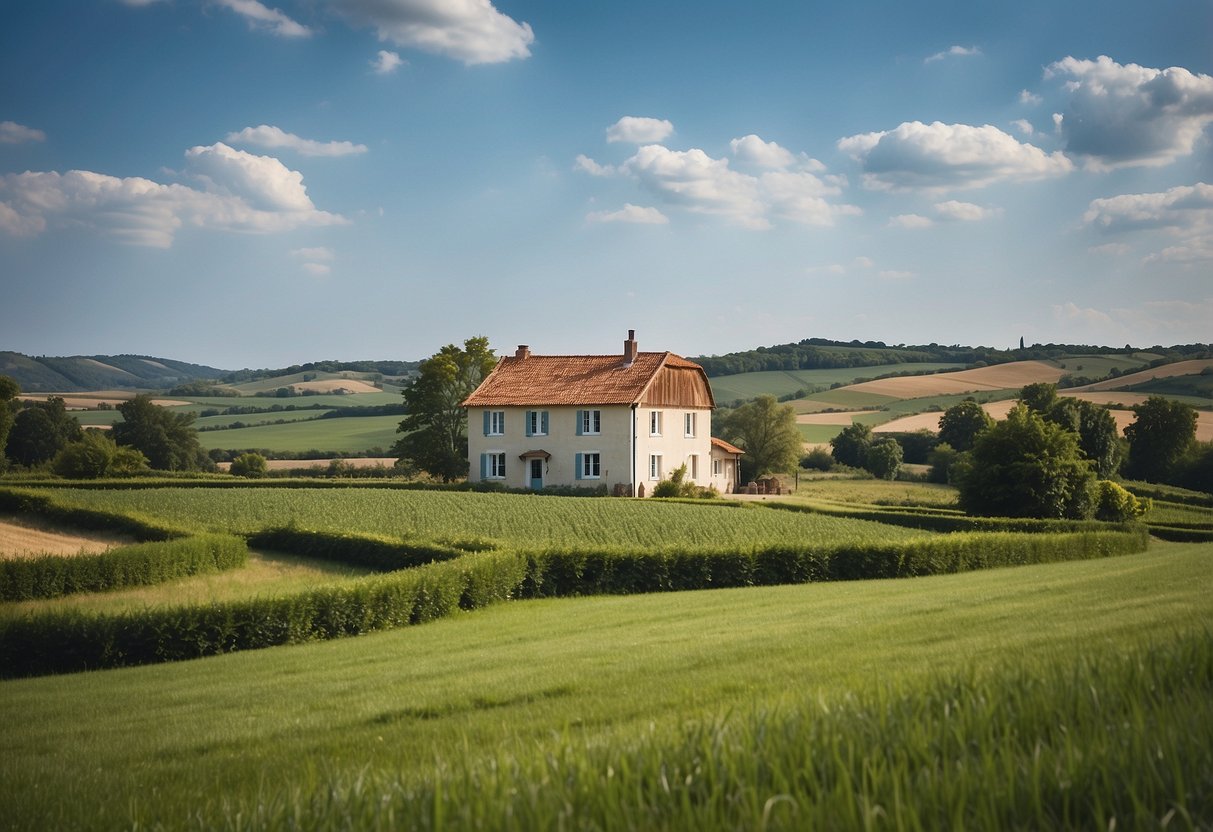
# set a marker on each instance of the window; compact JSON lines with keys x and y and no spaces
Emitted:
{"x":693,"y":466}
{"x":588,"y":466}
{"x":655,"y":423}
{"x":654,"y":466}
{"x":717,"y":467}
{"x":536,"y":423}
{"x":690,"y":425}
{"x":494,"y":422}
{"x":589,"y":422}
{"x":492,"y":465}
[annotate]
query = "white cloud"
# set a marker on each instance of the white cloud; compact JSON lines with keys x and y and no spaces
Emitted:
{"x":630,"y":213}
{"x":1183,"y":214}
{"x":964,"y":211}
{"x":317,"y":269}
{"x":240,"y":192}
{"x":753,"y":150}
{"x":912,"y":221}
{"x":1070,"y":314}
{"x":274,"y":138}
{"x":588,"y":165}
{"x":699,"y":183}
{"x":472,"y":31}
{"x":941,"y":156}
{"x":1182,"y":210}
{"x":893,"y":274}
{"x":317,"y":253}
{"x":387,"y":62}
{"x":639,"y":130}
{"x":1026,"y":97}
{"x":260,"y":16}
{"x":953,"y":52}
{"x":862,"y":262}
{"x":1023,"y":126}
{"x":1122,"y":116}
{"x":13,"y":133}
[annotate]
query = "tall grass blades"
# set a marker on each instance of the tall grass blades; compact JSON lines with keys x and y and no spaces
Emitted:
{"x":51,"y":576}
{"x":1101,"y":740}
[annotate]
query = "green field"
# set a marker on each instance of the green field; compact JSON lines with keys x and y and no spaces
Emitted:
{"x":350,"y":434}
{"x":200,"y":403}
{"x":1034,"y":697}
{"x":783,"y":382}
{"x":519,"y":519}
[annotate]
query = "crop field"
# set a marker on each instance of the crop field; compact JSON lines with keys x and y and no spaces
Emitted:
{"x":254,"y":419}
{"x":1179,"y":368}
{"x":518,"y":519}
{"x":347,"y":434}
{"x":878,"y":492}
{"x":1084,"y":690}
{"x":194,"y":404}
{"x":782,"y":382}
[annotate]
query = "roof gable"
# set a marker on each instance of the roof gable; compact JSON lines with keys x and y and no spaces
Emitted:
{"x":573,"y":380}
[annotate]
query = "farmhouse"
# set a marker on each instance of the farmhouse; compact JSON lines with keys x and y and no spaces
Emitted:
{"x":623,"y":421}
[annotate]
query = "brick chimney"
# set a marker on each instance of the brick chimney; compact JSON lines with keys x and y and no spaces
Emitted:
{"x":630,"y":348}
{"x":523,"y":351}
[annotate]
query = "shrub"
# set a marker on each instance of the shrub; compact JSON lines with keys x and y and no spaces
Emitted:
{"x":818,"y":459}
{"x":883,"y":459}
{"x":1116,"y":505}
{"x":96,"y":455}
{"x":250,"y":466}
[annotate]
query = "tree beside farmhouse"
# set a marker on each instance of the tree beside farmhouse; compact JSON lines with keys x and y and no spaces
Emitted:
{"x":435,"y":429}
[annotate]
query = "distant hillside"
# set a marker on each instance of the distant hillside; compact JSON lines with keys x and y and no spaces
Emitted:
{"x":78,"y":373}
{"x":820,"y":353}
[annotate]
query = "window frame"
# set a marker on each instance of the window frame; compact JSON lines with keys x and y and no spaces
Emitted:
{"x":591,"y":423}
{"x":689,"y":424}
{"x":496,"y":423}
{"x":655,"y":423}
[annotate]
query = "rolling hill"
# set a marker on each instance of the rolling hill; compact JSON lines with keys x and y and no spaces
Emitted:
{"x":79,"y":373}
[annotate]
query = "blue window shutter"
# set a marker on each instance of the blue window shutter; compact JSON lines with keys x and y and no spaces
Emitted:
{"x":543,"y":420}
{"x":578,"y":465}
{"x":502,"y":423}
{"x":580,"y":422}
{"x":484,"y":466}
{"x":527,"y":419}
{"x":486,"y":423}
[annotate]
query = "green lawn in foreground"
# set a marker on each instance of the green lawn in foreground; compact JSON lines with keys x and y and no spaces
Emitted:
{"x":519,"y":519}
{"x":338,"y":733}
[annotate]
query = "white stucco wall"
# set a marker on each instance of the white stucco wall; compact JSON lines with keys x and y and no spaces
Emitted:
{"x":613,"y":444}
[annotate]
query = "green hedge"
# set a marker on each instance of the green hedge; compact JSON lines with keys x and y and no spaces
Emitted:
{"x":933,"y":521}
{"x":24,"y":502}
{"x":377,"y":552}
{"x":50,"y":576}
{"x":65,"y":641}
{"x":1182,"y":534}
{"x":562,"y":572}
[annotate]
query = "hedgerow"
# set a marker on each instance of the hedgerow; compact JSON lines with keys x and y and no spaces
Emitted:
{"x":376,"y":552}
{"x":51,"y":576}
{"x":65,"y":641}
{"x":24,"y":502}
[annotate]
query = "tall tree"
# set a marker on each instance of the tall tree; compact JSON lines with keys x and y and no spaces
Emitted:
{"x":767,"y":432}
{"x":883,"y":459}
{"x":9,"y":391}
{"x":40,"y":431}
{"x":166,"y":438}
{"x":850,"y":445}
{"x":1159,"y":437}
{"x":1098,"y":437}
{"x":1039,"y":396}
{"x":1024,"y":466}
{"x":435,"y":429}
{"x":961,"y":423}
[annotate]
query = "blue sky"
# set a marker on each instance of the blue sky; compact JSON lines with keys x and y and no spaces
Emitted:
{"x":257,"y":183}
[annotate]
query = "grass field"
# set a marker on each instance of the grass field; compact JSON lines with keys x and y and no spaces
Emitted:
{"x":349,"y":434}
{"x":907,"y":704}
{"x":530,"y":520}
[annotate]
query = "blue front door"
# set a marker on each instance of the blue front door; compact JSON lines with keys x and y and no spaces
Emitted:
{"x":536,"y":473}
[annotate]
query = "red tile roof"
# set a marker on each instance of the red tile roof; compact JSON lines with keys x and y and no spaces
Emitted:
{"x":556,"y":380}
{"x":726,"y":447}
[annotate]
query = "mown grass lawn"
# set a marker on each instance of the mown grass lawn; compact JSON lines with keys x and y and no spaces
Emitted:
{"x":348,"y":733}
